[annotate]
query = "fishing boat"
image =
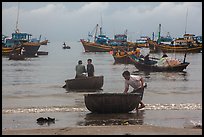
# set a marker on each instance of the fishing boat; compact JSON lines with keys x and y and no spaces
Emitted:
{"x":29,"y":46}
{"x":188,"y":43}
{"x":102,"y":43}
{"x":6,"y":51}
{"x":94,"y":47}
{"x":121,"y":56}
{"x":159,"y":65}
{"x":23,"y":43}
{"x":175,"y":48}
{"x":122,"y":59}
{"x":142,"y":42}
{"x":111,"y":102}
{"x":30,"y":49}
{"x":99,"y":43}
{"x":85,"y":83}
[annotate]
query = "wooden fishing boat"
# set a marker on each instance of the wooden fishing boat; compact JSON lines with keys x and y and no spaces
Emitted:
{"x":102,"y":43}
{"x":111,"y":102}
{"x":122,"y":59}
{"x":121,"y":55}
{"x":85,"y":83}
{"x":186,"y":49}
{"x":94,"y":47}
{"x":189,"y":43}
{"x":29,"y":45}
{"x":6,"y":51}
{"x":142,"y":42}
{"x":30,"y":49}
{"x":154,"y":65}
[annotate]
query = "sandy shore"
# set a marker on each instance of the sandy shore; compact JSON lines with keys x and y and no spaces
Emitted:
{"x":105,"y":130}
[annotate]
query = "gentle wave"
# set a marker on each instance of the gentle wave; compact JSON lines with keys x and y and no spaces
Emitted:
{"x":186,"y":106}
{"x":42,"y":110}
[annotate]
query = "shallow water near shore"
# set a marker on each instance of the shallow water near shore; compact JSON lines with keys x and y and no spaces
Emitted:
{"x":33,"y":89}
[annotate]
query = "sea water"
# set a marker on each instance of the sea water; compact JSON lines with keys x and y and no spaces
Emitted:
{"x":32,"y":88}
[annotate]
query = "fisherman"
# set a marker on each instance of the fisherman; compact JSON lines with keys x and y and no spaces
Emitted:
{"x":137,"y":83}
{"x":80,"y":69}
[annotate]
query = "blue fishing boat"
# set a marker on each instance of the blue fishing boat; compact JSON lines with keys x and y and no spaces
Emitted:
{"x":103,"y":43}
{"x":21,"y":42}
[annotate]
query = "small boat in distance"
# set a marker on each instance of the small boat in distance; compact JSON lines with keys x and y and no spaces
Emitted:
{"x":66,"y":46}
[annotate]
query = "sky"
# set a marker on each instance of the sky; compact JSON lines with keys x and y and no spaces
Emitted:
{"x":72,"y":21}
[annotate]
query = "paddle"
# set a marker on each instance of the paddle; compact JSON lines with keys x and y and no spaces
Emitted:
{"x":184,"y":58}
{"x":64,"y":86}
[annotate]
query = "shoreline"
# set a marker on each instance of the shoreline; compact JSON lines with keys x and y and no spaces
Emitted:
{"x":106,"y":130}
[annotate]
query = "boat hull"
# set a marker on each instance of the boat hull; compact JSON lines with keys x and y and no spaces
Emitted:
{"x":155,"y":68}
{"x":44,"y":42}
{"x":111,"y":102}
{"x":16,"y":57}
{"x":122,"y":59}
{"x":185,"y":49}
{"x":177,"y":68}
{"x":86,"y":83}
{"x":6,"y":51}
{"x":30,"y":49}
{"x":93,"y":47}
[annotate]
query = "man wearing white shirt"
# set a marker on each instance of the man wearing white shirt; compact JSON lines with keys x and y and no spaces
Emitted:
{"x":135,"y":82}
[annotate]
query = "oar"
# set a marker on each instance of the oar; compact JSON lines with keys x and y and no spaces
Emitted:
{"x":64,"y":86}
{"x":184,"y":58}
{"x":154,"y":58}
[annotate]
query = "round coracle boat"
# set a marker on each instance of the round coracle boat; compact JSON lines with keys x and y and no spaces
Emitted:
{"x":111,"y":102}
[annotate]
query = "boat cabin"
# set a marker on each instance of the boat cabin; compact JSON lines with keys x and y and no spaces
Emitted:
{"x":23,"y":37}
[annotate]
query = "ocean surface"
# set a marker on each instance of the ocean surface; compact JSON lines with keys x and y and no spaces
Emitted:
{"x":33,"y":88}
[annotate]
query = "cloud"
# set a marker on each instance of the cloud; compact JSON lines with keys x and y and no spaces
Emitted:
{"x":72,"y":21}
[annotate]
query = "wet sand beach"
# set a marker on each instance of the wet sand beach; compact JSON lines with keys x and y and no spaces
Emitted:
{"x":106,"y":130}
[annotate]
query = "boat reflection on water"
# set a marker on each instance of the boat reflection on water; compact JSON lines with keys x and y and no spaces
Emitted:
{"x":95,"y":119}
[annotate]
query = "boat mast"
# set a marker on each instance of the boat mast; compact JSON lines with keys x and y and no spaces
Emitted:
{"x":17,"y":30}
{"x":101,"y":26}
{"x":158,"y":41}
{"x":186,"y":20}
{"x":95,"y":32}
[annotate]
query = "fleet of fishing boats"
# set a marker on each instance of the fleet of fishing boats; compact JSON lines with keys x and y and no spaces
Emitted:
{"x":126,"y":52}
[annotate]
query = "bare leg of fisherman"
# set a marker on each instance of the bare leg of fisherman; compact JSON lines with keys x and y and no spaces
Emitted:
{"x":142,"y":105}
